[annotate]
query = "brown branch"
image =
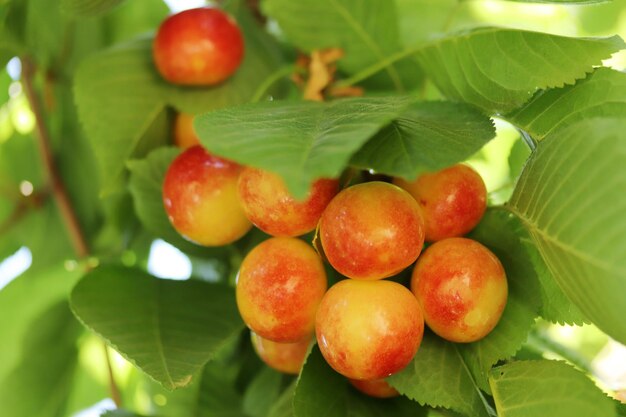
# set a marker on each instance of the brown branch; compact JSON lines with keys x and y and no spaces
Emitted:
{"x":16,"y":215}
{"x":115,"y":392}
{"x":23,"y":206}
{"x":59,"y":192}
{"x":43,"y":140}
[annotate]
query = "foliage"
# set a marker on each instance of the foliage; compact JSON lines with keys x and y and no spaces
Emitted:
{"x":438,"y":83}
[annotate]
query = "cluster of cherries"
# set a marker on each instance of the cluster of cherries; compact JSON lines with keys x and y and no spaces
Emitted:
{"x":367,"y":328}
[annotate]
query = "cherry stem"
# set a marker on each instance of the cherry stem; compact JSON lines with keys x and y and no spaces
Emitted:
{"x":271,"y":80}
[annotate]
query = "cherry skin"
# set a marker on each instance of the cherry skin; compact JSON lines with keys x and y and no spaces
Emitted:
{"x":461,"y":287}
{"x":200,"y":198}
{"x":201,"y":46}
{"x":371,"y":231}
{"x":452,"y":200}
{"x":368,"y":329}
{"x":184,"y":134}
{"x":284,"y":357}
{"x":279,"y":287}
{"x":270,"y":207}
{"x":378,"y":388}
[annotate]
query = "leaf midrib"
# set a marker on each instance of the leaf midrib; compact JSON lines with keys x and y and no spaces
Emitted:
{"x":536,"y":231}
{"x":489,"y":410}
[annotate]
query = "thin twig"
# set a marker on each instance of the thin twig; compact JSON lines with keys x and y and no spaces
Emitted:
{"x":23,"y":206}
{"x":59,"y":192}
{"x":43,"y":140}
{"x":270,"y":81}
{"x":114,"y":390}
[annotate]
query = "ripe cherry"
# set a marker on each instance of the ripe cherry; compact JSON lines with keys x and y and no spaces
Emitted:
{"x":202,"y":46}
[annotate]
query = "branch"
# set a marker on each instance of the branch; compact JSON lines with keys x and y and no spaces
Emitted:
{"x":43,"y":140}
{"x":23,"y":206}
{"x":58,"y":189}
{"x":115,"y":392}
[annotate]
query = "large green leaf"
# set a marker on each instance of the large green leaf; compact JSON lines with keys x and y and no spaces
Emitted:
{"x":41,"y":382}
{"x":427,"y":136}
{"x":464,"y":66}
{"x":146,"y":185}
{"x":214,"y":391}
{"x":320,"y":391}
{"x":530,"y":281}
{"x":367,"y":30}
{"x":601,"y":94}
{"x":119,"y":95}
{"x":169,"y":329}
{"x":283,"y":406}
{"x":439,"y":376}
{"x":500,"y":232}
{"x":88,"y":8}
{"x":24,"y":299}
{"x":361,"y":405}
{"x":217,"y":395}
{"x":262,"y":393}
{"x":571,"y":200}
{"x":546,"y":388}
{"x":301,"y":141}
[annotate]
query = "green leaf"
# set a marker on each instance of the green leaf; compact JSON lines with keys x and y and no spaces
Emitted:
{"x":88,"y":8}
{"x":361,"y":405}
{"x":428,"y":136}
{"x":531,"y":281}
{"x":499,"y":230}
{"x":262,"y":393}
{"x":420,"y":20}
{"x":12,"y":24}
{"x":563,"y":1}
{"x":439,"y":376}
{"x":40,"y":384}
{"x":119,"y":95}
{"x":320,"y":391}
{"x":120,"y":413}
{"x":556,"y":306}
{"x":5,"y":82}
{"x":168,"y":329}
{"x":214,"y":390}
{"x":300,"y":141}
{"x":367,"y":30}
{"x":517,"y":158}
{"x":28,"y":297}
{"x":217,"y":395}
{"x":283,"y":407}
{"x":546,"y":388}
{"x":44,"y":31}
{"x":146,"y":185}
{"x":570,"y":199}
{"x":463,"y":66}
{"x":601,"y":94}
{"x":131,"y":20}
